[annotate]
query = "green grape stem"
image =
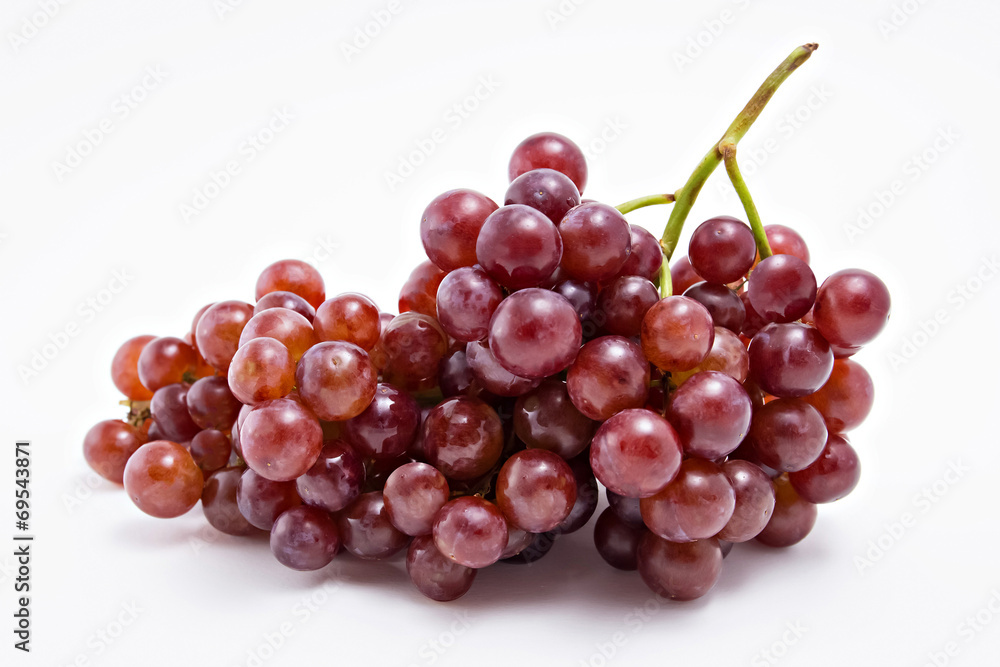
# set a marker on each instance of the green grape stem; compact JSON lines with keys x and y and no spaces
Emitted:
{"x":684,"y":198}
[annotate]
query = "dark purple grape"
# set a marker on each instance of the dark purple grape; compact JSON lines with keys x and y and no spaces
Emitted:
{"x":435,"y":576}
{"x":782,"y":288}
{"x":788,"y":434}
{"x":519,"y":247}
{"x":628,"y":509}
{"x":545,"y":190}
{"x":287,"y":300}
{"x":722,"y":249}
{"x":463,"y":438}
{"x":545,"y":418}
{"x":617,"y":541}
{"x":219,"y":503}
{"x":211,"y":450}
{"x":261,"y":500}
{"x":587,"y":496}
{"x":493,"y":377}
{"x":624,"y":303}
{"x":388,"y":425}
{"x":304,"y":538}
{"x":366,"y":530}
{"x":679,"y":571}
{"x":646,"y":257}
{"x":790,"y":360}
{"x":711,"y":413}
{"x":830,"y":477}
{"x":581,"y":295}
{"x":540,"y":545}
{"x":793,"y":517}
{"x":723,"y":304}
{"x":754,"y":500}
{"x":335,"y":480}
{"x":169,"y":409}
{"x":211,"y":404}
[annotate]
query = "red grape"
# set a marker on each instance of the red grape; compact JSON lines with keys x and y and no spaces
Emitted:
{"x":463,"y":438}
{"x":304,"y":538}
{"x":125,"y":369}
{"x":596,"y":240}
{"x":830,"y":477}
{"x":414,"y":493}
{"x":552,"y":151}
{"x":754,"y":500}
{"x":295,"y":276}
{"x":545,"y":418}
{"x":846,"y":398}
{"x":722,"y":249}
{"x":793,"y":517}
{"x":677,"y":333}
{"x":635,"y":453}
{"x":679,"y":571}
{"x":852,"y":307}
{"x":610,"y":374}
{"x":108,"y":446}
{"x":434,"y":575}
{"x":219,"y":329}
{"x":696,"y":505}
{"x":165,"y":361}
{"x":281,"y":439}
{"x":790,"y":360}
{"x":536,"y":490}
{"x":336,"y":478}
{"x":545,"y":190}
{"x":366,"y":530}
{"x":470,"y":531}
{"x":535,"y":333}
{"x":466,"y":300}
{"x":419,"y":292}
{"x":336,"y":380}
{"x":163,"y":480}
{"x":450,"y":226}
{"x":519,"y":246}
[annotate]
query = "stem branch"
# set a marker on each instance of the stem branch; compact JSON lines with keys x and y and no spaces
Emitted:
{"x":728,"y":149}
{"x":685,"y":197}
{"x":641,"y":202}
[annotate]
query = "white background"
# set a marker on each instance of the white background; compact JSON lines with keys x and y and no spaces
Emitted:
{"x":868,"y":102}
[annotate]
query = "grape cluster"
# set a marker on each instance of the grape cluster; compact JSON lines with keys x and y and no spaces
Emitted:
{"x":533,"y":358}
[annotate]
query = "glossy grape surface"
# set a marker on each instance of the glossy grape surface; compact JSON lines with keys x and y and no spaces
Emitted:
{"x":635,"y":453}
{"x":163,"y":480}
{"x":450,"y":226}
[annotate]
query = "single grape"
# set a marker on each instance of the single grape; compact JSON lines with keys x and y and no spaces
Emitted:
{"x":790,"y":360}
{"x":782,"y":288}
{"x":295,"y":276}
{"x":723,"y":304}
{"x":587,"y":496}
{"x":679,"y":571}
{"x":470,"y":531}
{"x":753,"y":321}
{"x":336,"y":380}
{"x":335,"y":480}
{"x":711,"y":413}
{"x":852,"y":307}
{"x":434,"y":575}
{"x":281,"y":439}
{"x":624,"y":303}
{"x":304,"y":538}
{"x":754,"y":500}
{"x":211,"y":404}
{"x":788,"y":434}
{"x":163,"y":480}
{"x":366,"y":530}
{"x":493,"y":377}
{"x":846,"y":398}
{"x":552,"y":151}
{"x":211,"y":450}
{"x":540,"y":545}
{"x":545,"y":418}
{"x":261,"y":500}
{"x":169,"y":409}
{"x":261,"y":370}
{"x":646,"y":257}
{"x":519,"y":247}
{"x":830,"y":477}
{"x":536,"y":490}
{"x":419,"y":292}
{"x":596,"y":240}
{"x":610,"y":374}
{"x":219,"y":329}
{"x":108,"y":446}
{"x":455,"y":377}
{"x":793,"y":517}
{"x":617,"y":542}
{"x":410,"y":350}
{"x":683,"y":275}
{"x":728,"y":355}
{"x":581,"y":295}
{"x":535,"y":333}
{"x":125,"y":369}
{"x":677,"y":333}
{"x":282,"y":300}
{"x":628,"y":509}
{"x":219,"y":503}
{"x":466,"y":300}
{"x":450,"y":226}
{"x":635,"y":453}
{"x":164,"y":361}
{"x":786,"y":241}
{"x":696,"y":505}
{"x":414,"y":493}
{"x":387,"y":426}
{"x":463,"y":438}
{"x":517,"y":541}
{"x":350,"y":317}
{"x":545,"y":190}
{"x":722,"y":249}
{"x":285,"y":326}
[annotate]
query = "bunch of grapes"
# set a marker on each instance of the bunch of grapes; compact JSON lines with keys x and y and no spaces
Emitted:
{"x":532,"y":358}
{"x":544,"y":348}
